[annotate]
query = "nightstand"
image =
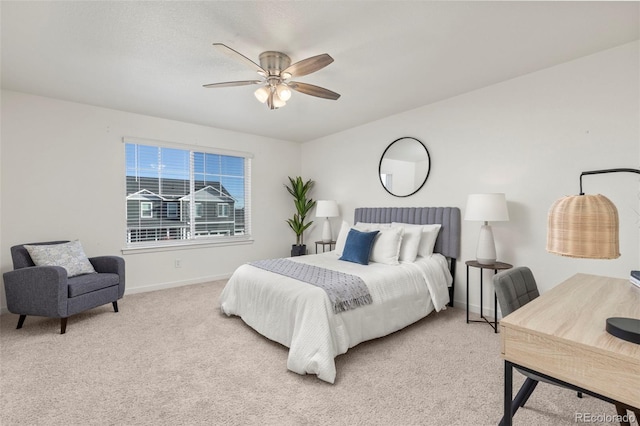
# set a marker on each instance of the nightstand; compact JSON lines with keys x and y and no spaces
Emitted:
{"x":324,"y":244}
{"x":497,"y":266}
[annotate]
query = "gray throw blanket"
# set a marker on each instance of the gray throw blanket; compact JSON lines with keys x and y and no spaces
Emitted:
{"x":345,"y":291}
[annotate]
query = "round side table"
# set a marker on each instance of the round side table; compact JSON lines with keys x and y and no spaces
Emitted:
{"x":497,"y":266}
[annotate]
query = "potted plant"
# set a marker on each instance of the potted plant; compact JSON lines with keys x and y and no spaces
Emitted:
{"x":298,"y":191}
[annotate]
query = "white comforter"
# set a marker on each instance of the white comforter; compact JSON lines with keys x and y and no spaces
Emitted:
{"x":299,"y":315}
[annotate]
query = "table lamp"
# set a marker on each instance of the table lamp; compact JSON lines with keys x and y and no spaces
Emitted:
{"x":326,"y":209}
{"x":586,"y":226}
{"x":486,"y":208}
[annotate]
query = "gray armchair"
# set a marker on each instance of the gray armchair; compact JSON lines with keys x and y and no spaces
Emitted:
{"x":47,"y":291}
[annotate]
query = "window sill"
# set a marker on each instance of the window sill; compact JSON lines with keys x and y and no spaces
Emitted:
{"x":185,"y":245}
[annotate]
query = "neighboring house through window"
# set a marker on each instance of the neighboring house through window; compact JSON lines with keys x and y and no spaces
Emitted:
{"x":175,"y":195}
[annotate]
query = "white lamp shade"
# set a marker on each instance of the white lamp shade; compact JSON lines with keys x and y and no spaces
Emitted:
{"x":487,"y":208}
{"x":327,"y":208}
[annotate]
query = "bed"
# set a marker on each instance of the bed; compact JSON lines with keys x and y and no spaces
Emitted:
{"x":304,"y":317}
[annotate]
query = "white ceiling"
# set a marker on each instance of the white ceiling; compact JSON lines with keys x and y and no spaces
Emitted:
{"x":390,"y":56}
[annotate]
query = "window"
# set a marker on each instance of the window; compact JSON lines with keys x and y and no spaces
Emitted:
{"x":173,"y":210}
{"x":198,"y":195}
{"x":146,"y":210}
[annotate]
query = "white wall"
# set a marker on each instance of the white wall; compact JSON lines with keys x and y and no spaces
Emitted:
{"x":530,"y":138}
{"x":63,"y":178}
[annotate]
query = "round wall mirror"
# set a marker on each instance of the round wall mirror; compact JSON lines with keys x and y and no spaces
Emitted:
{"x":404,"y":167}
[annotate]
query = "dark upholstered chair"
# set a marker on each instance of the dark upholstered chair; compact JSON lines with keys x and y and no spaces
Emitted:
{"x":46,"y":291}
{"x":515,"y":288}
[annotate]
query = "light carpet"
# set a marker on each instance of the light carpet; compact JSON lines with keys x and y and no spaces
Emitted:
{"x":170,"y":357}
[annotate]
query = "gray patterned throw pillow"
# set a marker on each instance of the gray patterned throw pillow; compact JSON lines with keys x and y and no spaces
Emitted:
{"x":68,"y":255}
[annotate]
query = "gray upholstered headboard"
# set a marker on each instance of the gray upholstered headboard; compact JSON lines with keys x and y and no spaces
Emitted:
{"x":448,"y":242}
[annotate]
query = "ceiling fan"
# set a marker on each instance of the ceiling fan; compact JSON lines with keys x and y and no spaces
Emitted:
{"x":275,"y":70}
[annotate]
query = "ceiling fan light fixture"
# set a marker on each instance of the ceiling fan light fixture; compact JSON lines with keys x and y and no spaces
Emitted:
{"x":262,"y":94}
{"x":274,"y":102}
{"x":277,"y":101}
{"x":283,"y":91}
{"x":275,"y":69}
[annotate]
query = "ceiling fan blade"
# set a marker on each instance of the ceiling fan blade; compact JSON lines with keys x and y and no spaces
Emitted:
{"x":232,"y":83}
{"x":223,"y":48}
{"x":310,"y":89}
{"x":307,"y":66}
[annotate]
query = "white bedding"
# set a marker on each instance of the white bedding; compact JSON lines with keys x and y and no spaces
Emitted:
{"x":299,"y":315}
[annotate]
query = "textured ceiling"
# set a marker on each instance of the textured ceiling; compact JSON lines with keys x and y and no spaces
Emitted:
{"x":390,"y":56}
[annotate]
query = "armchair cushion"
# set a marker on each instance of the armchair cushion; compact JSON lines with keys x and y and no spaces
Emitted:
{"x":87,"y":283}
{"x":69,"y":255}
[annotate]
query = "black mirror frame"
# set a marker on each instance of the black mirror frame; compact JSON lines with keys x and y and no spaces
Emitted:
{"x":425,"y":178}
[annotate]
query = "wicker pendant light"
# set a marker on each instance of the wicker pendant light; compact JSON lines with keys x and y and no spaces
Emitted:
{"x":584,"y":226}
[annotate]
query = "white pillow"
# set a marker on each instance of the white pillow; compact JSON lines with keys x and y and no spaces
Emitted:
{"x":410,"y":243}
{"x":364,"y":226}
{"x":386,"y":247}
{"x":68,"y":255}
{"x":428,"y":239}
{"x":342,"y":238}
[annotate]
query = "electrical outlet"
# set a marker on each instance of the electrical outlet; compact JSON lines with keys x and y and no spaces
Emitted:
{"x":178,"y":263}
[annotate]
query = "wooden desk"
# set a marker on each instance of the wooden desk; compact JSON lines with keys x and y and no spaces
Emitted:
{"x":562,"y":334}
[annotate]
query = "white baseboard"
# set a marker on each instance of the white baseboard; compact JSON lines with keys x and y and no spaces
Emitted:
{"x":173,"y":284}
{"x":486,"y":311}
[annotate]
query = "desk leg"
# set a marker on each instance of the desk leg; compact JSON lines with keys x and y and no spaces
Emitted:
{"x":508,"y":393}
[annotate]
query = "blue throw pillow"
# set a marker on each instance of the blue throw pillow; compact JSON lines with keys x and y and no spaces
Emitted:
{"x":358,"y":246}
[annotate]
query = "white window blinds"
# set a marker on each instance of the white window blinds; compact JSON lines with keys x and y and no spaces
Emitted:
{"x":176,"y":195}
